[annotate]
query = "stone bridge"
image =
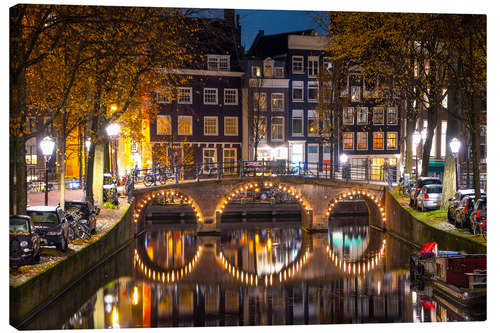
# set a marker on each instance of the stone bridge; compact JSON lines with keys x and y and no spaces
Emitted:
{"x":317,"y":197}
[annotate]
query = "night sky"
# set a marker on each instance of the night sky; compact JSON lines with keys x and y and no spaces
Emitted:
{"x":275,"y":21}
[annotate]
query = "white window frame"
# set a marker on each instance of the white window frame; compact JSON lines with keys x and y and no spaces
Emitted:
{"x":315,"y":115}
{"x":216,"y":126}
{"x":205,"y":95}
{"x":387,"y":140}
{"x":282,"y":129}
{"x":206,"y":170}
{"x":282,"y":99}
{"x":256,"y":103}
{"x":162,"y":98}
{"x":301,"y":122}
{"x":312,"y":85}
{"x":312,"y":66}
{"x":297,"y":85}
{"x":225,"y":126}
{"x":390,"y":110}
{"x":277,"y":70}
{"x":297,"y":59}
{"x":163,"y":117}
{"x":373,"y":140}
{"x":317,"y":154}
{"x":179,"y":118}
{"x":358,"y":115}
{"x":262,"y":120}
{"x":343,"y":141}
{"x":219,"y":59}
{"x":344,"y":114}
{"x":358,"y":134}
{"x":375,"y":108}
{"x":180,"y":94}
{"x":234,"y":160}
{"x":230,"y":90}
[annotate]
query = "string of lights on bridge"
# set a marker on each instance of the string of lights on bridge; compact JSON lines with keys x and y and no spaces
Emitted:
{"x":362,"y":193}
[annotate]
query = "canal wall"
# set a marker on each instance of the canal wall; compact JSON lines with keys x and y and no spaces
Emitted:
{"x":27,"y":297}
{"x":403,"y":224}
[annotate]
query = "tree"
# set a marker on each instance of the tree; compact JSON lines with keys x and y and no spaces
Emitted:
{"x":257,"y":113}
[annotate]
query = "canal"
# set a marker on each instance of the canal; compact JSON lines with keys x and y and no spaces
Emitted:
{"x":263,"y":272}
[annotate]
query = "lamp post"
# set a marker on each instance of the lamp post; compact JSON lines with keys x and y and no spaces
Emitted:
{"x":112,"y":131}
{"x":455,"y":147}
{"x":343,"y":161}
{"x":47,"y":145}
{"x":416,"y":139}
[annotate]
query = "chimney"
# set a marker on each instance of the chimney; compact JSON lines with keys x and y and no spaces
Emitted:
{"x":229,"y":17}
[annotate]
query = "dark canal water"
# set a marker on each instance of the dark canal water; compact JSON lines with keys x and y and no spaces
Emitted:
{"x":259,"y":274}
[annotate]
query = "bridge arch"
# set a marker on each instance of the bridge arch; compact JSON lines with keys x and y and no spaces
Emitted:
{"x":145,"y":200}
{"x":367,"y":196}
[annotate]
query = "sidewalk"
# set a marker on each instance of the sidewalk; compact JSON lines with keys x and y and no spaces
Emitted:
{"x":38,"y":198}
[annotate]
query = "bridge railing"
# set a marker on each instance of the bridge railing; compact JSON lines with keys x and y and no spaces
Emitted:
{"x":162,"y":174}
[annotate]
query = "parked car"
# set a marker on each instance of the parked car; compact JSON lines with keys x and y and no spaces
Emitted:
{"x":50,"y":223}
{"x":430,"y":197}
{"x":455,"y":201}
{"x":477,"y":219}
{"x":421,"y":182}
{"x":86,"y":212}
{"x":24,"y":242}
{"x":463,"y":210}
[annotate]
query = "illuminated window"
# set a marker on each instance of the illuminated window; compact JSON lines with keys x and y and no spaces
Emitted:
{"x":378,"y":115}
{"x":231,"y":96}
{"x":277,"y":128}
{"x":210,"y":126}
{"x":256,"y":71}
{"x":231,"y":126}
{"x":209,"y":156}
{"x":268,"y":69}
{"x":392,"y":140}
{"x":31,"y":154}
{"x":355,"y":93}
{"x":277,"y":102}
{"x":444,"y":125}
{"x":185,"y":125}
{"x":362,"y":141}
{"x":348,"y":116}
{"x":362,"y":114}
{"x":348,"y":138}
{"x":312,"y":123}
{"x":184,"y":95}
{"x":163,"y":125}
{"x":378,"y":140}
{"x":259,"y":101}
{"x":210,"y":96}
{"x":261,"y":124}
{"x":298,"y":64}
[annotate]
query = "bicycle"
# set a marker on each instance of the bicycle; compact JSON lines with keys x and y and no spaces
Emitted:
{"x":76,"y":227}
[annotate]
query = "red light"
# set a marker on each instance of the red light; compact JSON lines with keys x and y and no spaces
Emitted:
{"x":477,"y":214}
{"x":466,"y":210}
{"x":426,"y":196}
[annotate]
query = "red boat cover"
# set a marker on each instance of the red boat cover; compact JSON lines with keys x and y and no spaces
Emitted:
{"x":428,"y":247}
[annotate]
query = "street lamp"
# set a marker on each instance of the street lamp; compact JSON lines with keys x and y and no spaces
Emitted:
{"x":343,"y":161}
{"x":112,"y":130}
{"x":88,"y":143}
{"x":416,"y":139}
{"x":47,"y":145}
{"x":455,"y":147}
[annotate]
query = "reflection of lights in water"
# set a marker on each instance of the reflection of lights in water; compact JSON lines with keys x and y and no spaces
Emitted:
{"x":107,"y":308}
{"x":135,"y":296}
{"x":414,"y":297}
{"x":115,"y":318}
{"x":362,"y":265}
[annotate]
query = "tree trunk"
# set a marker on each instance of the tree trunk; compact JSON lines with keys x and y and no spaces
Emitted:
{"x":89,"y":174}
{"x":475,"y":134}
{"x":98,"y":174}
{"x":432,"y":114}
{"x":21,"y":185}
{"x":449,"y":180}
{"x":410,"y":128}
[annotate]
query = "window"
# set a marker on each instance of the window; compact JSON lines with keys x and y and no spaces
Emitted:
{"x":378,"y":140}
{"x":277,"y":129}
{"x":210,"y":126}
{"x":185,"y":125}
{"x":312,"y":155}
{"x":231,"y":96}
{"x":210,"y":96}
{"x":348,"y":117}
{"x":163,"y":125}
{"x":313,"y":65}
{"x":31,"y":154}
{"x":256,"y":71}
{"x":348,"y":140}
{"x":134,"y":147}
{"x":162,"y":96}
{"x":312,"y":123}
{"x":392,"y":140}
{"x":312,"y":91}
{"x":231,"y":126}
{"x":259,"y":101}
{"x":327,"y":66}
{"x":362,"y":141}
{"x":30,"y":124}
{"x":378,"y":115}
{"x":262,"y":128}
{"x":298,"y":91}
{"x":268,"y":69}
{"x":297,"y":123}
{"x":209,"y":156}
{"x":392,"y":115}
{"x":218,"y":62}
{"x":362,"y":115}
{"x":184,"y":95}
{"x":279,"y":72}
{"x":297,"y":64}
{"x":355,"y":93}
{"x":444,"y":125}
{"x":277,"y":102}
{"x":229,"y":160}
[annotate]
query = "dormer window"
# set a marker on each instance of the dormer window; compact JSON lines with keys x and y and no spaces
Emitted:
{"x":268,"y":67}
{"x":218,"y":62}
{"x":256,"y":71}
